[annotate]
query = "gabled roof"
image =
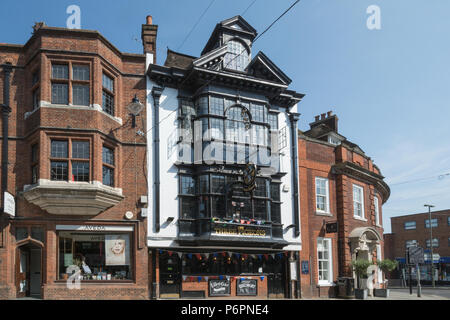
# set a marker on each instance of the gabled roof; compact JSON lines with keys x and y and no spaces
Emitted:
{"x":262,"y":67}
{"x":237,"y":25}
{"x":211,"y":57}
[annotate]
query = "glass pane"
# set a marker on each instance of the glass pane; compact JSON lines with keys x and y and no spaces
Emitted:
{"x":60,"y":93}
{"x":108,"y":83}
{"x":108,"y":156}
{"x":37,"y":233}
{"x":218,"y":207}
{"x":59,"y":171}
{"x":80,"y":171}
{"x":217,"y":184}
{"x":188,"y":207}
{"x":80,"y":72}
{"x":59,"y":149}
{"x":80,"y":149}
{"x":21,"y":233}
{"x":81,"y":95}
{"x":217,"y":106}
{"x":108,"y":103}
{"x":108,"y":176}
{"x":187,"y":185}
{"x":60,"y":71}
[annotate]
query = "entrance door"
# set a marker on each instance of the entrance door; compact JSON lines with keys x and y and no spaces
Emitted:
{"x":28,"y":271}
{"x":169,"y":276}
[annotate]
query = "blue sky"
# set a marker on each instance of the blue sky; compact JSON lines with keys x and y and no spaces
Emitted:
{"x":389,"y":87}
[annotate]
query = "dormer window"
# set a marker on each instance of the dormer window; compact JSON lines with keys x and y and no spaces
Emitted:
{"x":237,"y":57}
{"x":334,"y":140}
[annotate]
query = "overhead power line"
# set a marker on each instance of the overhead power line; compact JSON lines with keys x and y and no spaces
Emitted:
{"x":440,"y":177}
{"x":195,"y":25}
{"x":251,"y":4}
{"x":235,"y":57}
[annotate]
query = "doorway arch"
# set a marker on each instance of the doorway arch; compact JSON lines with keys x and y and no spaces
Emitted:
{"x":29,"y":267}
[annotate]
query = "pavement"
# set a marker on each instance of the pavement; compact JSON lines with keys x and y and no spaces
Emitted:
{"x":427,"y":293}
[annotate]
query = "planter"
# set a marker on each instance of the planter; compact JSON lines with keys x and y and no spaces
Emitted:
{"x":383,"y":293}
{"x":361,"y":293}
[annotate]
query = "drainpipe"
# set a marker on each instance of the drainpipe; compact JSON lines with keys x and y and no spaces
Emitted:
{"x":294,"y":117}
{"x":6,"y":110}
{"x":156,"y":93}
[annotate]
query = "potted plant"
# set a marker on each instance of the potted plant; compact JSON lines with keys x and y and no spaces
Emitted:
{"x":386,"y":266}
{"x":360,"y":267}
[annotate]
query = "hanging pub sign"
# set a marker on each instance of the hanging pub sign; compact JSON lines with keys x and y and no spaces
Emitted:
{"x":9,"y":204}
{"x":249,"y":176}
{"x":219,"y":288}
{"x":331,"y":227}
{"x":247,"y":287}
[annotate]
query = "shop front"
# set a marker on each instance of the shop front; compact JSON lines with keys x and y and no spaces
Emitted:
{"x":84,"y":261}
{"x":223,"y":274}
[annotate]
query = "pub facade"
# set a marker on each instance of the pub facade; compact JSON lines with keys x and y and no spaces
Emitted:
{"x":222,"y":153}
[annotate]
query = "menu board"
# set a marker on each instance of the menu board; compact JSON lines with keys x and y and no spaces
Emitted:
{"x":219,"y":288}
{"x":247,"y":287}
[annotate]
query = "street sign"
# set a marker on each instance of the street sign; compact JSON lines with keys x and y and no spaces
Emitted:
{"x":415,"y":255}
{"x":436,"y":257}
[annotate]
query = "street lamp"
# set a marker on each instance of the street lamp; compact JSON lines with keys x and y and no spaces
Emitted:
{"x":135,"y":107}
{"x":431,"y":241}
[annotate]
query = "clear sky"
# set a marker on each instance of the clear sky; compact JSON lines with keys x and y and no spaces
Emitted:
{"x":389,"y":87}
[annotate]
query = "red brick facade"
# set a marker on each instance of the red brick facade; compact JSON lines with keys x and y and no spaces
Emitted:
{"x":319,"y":158}
{"x":30,"y":126}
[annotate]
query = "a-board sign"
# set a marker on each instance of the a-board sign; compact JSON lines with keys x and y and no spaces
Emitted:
{"x":218,"y":288}
{"x":247,"y":287}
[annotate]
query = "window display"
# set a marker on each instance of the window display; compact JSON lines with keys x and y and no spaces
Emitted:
{"x":99,"y":256}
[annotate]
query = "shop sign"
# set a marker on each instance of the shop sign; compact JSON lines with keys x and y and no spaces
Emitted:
{"x":293,"y":267}
{"x":218,"y":288}
{"x":93,"y":228}
{"x":247,"y":287}
{"x":331,"y":227}
{"x":244,"y":231}
{"x":9,"y":204}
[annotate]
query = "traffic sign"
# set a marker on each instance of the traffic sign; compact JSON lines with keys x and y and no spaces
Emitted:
{"x":415,"y":255}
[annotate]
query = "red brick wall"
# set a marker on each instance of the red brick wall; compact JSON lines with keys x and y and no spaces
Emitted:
{"x":130,"y":171}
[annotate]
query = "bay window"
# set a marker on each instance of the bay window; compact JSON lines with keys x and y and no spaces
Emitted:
{"x":70,"y":156}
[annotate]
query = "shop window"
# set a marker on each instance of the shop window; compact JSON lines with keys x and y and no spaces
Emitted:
{"x":108,"y":166}
{"x":70,"y":156}
{"x":322,"y":195}
{"x":358,"y":202}
{"x":324,"y":261}
{"x":99,"y":256}
{"x":409,"y":225}
{"x":108,"y":94}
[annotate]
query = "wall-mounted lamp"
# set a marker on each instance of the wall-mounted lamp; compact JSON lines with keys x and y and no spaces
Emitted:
{"x":135,"y":107}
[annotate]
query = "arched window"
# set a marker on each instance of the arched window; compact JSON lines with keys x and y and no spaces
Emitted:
{"x":237,"y":57}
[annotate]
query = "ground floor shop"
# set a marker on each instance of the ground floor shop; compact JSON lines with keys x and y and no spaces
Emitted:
{"x":224,"y":274}
{"x":441,"y":271}
{"x":76,"y":260}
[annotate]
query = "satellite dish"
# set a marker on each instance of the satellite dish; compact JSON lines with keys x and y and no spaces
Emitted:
{"x":135,"y":107}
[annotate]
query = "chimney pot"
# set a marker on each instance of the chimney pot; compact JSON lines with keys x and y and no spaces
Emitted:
{"x":322,"y":116}
{"x":317,"y":118}
{"x":149,"y":20}
{"x":329,"y":114}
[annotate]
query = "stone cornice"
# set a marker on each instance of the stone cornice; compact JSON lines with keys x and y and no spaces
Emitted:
{"x":354,"y":171}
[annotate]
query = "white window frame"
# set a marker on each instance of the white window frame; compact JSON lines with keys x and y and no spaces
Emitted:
{"x":326,"y":195}
{"x":409,"y":227}
{"x":362,"y":217}
{"x":377,"y":211}
{"x":329,"y":281}
{"x":411,"y":243}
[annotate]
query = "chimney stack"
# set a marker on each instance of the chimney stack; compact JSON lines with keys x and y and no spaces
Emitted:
{"x":149,"y":33}
{"x":327,"y":119}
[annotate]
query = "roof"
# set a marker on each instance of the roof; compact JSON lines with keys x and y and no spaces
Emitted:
{"x":178,"y":60}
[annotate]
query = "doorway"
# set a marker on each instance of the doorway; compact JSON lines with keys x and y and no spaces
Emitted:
{"x":29,"y":271}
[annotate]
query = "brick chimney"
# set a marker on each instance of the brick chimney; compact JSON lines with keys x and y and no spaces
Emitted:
{"x":328,"y":119}
{"x":149,"y":32}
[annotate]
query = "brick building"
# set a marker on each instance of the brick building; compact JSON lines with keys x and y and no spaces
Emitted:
{"x":339,"y":184}
{"x":414,"y":230}
{"x":73,"y":163}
